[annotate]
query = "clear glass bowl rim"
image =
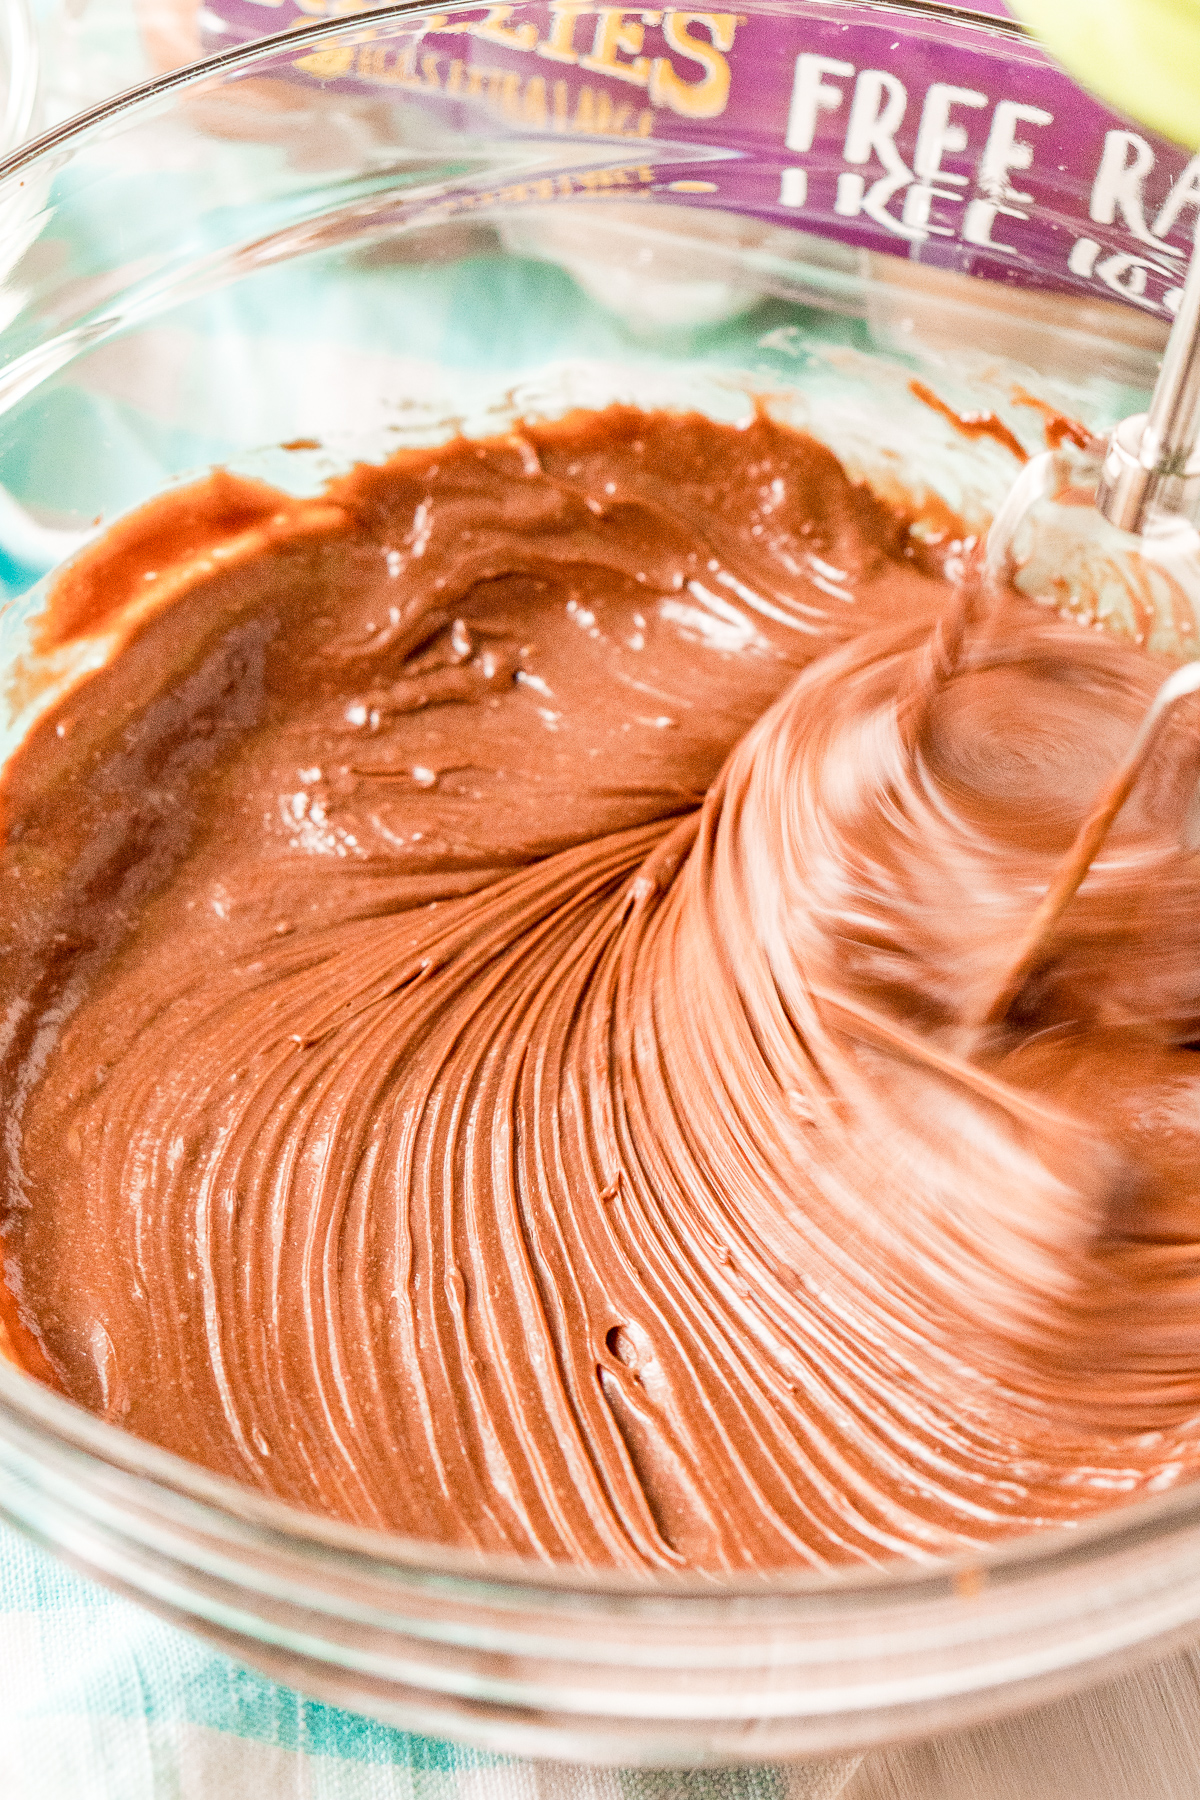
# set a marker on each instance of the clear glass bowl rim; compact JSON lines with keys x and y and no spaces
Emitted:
{"x":245,"y":56}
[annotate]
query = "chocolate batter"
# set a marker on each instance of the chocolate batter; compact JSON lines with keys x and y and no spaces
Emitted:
{"x":486,"y":980}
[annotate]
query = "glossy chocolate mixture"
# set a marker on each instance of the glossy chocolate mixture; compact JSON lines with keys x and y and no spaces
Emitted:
{"x":488,"y":971}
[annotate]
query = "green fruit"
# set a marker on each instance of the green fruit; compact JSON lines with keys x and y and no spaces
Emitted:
{"x":1141,"y":55}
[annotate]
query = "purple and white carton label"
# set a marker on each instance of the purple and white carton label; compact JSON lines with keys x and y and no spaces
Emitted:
{"x":930,"y":132}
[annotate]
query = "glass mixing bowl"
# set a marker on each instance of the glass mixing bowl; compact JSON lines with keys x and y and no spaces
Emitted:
{"x":256,"y":252}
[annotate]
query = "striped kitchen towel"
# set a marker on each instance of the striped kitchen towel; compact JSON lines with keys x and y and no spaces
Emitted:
{"x":100,"y":1700}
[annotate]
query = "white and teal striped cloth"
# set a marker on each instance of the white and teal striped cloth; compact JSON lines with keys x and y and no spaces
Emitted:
{"x":100,"y":1700}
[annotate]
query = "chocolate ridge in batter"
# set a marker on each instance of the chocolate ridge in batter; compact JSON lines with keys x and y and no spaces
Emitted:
{"x":483,"y":973}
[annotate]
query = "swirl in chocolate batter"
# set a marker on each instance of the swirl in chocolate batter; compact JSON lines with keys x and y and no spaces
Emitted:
{"x":488,"y":970}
